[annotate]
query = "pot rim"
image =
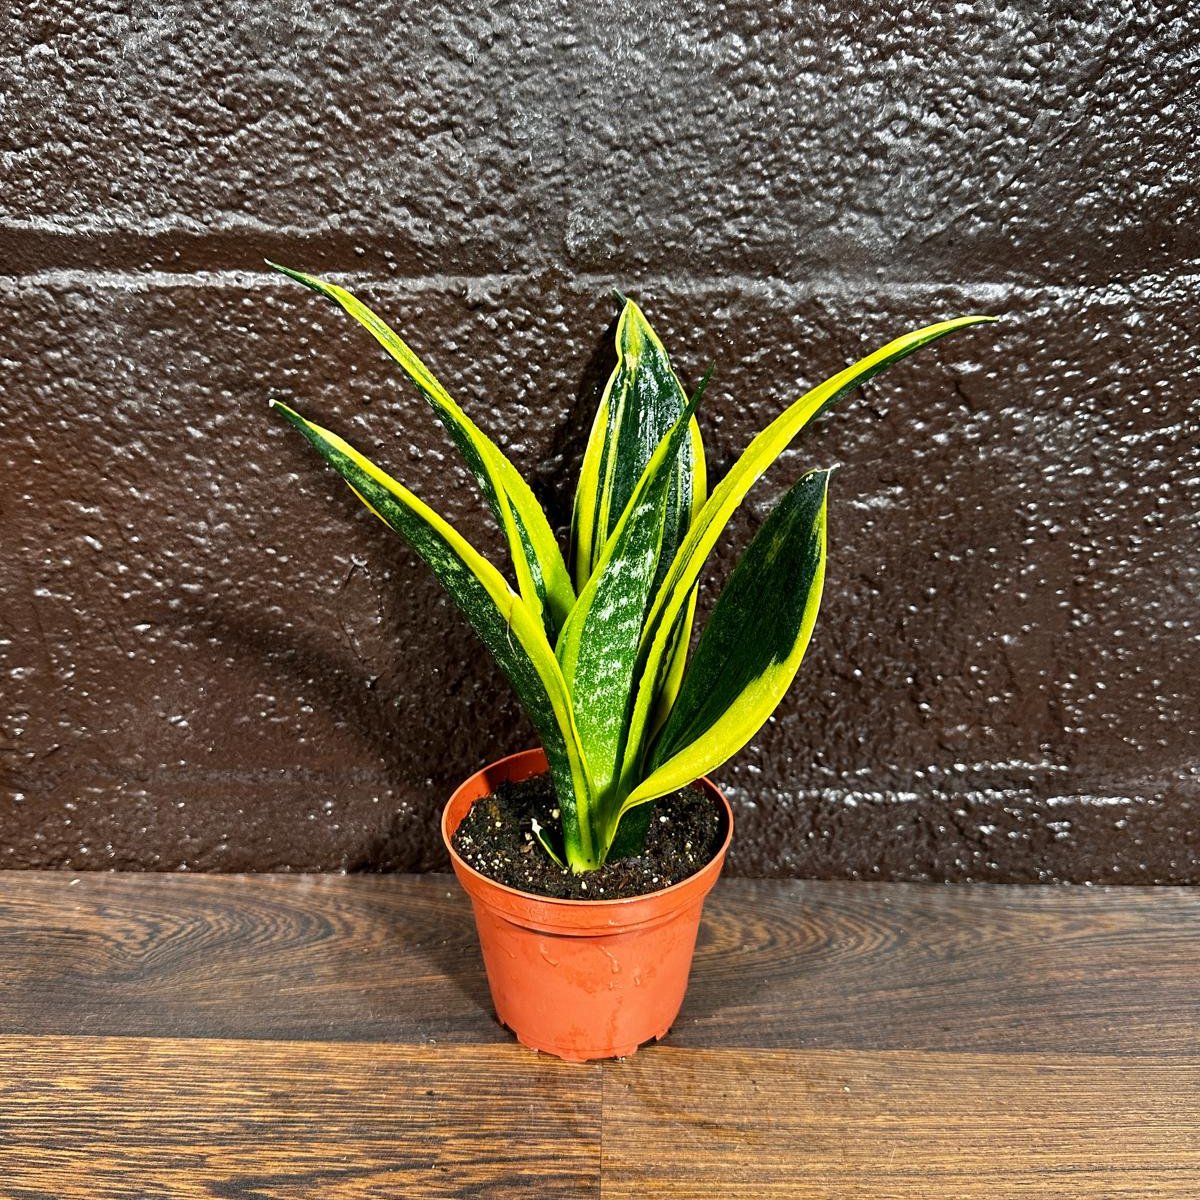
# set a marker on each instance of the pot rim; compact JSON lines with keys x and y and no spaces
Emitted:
{"x":593,"y":906}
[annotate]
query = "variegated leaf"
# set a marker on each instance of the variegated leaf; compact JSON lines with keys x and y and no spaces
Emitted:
{"x":751,"y":648}
{"x":500,"y":617}
{"x":642,"y":400}
{"x":598,"y":645}
{"x":714,"y":516}
{"x":541,"y":573}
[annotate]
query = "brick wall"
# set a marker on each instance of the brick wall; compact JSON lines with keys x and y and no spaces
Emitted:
{"x":212,"y":658}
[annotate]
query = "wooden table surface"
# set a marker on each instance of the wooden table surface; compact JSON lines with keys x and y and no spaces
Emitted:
{"x":331,"y":1036}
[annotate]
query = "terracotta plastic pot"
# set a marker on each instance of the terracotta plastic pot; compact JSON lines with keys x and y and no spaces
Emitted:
{"x":582,"y":979}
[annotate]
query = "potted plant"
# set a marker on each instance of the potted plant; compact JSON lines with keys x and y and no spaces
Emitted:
{"x":598,"y":654}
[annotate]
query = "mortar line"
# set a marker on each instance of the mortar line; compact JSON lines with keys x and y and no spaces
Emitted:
{"x":99,"y":278}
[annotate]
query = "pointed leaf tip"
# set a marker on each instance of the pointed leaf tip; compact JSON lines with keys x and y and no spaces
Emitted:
{"x":299,"y":276}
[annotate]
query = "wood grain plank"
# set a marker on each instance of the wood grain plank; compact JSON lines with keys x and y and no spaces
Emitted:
{"x":898,"y":1125}
{"x":784,"y":964}
{"x":349,"y":958}
{"x":108,"y":1118}
{"x":983,"y":967}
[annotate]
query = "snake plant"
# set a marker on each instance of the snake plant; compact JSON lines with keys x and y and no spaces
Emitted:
{"x":598,"y":652}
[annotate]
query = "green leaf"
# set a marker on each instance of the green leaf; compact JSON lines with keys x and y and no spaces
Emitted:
{"x":505,"y":623}
{"x":598,"y":645}
{"x":751,"y":647}
{"x":669,"y":602}
{"x":541,"y":573}
{"x":642,"y":400}
{"x":543,"y":836}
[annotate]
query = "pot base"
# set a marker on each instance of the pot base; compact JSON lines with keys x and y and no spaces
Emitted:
{"x":571,"y":1054}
